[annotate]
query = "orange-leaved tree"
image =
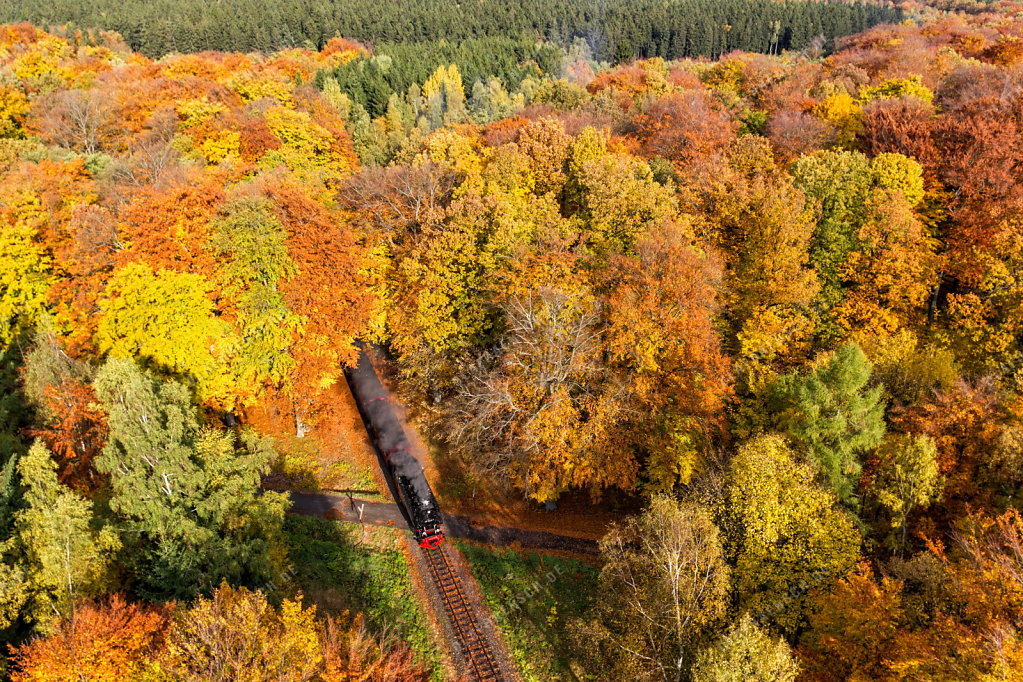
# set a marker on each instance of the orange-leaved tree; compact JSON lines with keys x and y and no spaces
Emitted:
{"x":661,"y":332}
{"x":329,"y":293}
{"x":100,"y":642}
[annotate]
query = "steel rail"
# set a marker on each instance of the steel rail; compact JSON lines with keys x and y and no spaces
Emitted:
{"x":475,"y":647}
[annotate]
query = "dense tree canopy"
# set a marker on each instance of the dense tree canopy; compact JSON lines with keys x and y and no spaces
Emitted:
{"x":188,"y":494}
{"x":615,"y":32}
{"x":770,"y":301}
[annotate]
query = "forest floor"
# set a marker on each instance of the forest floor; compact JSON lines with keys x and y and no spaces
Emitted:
{"x":336,"y":455}
{"x":538,"y":601}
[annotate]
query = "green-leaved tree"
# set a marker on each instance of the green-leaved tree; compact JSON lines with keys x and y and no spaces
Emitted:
{"x":833,"y":415}
{"x":189,"y":494}
{"x":67,"y":555}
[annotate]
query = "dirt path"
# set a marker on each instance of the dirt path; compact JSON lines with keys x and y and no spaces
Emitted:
{"x":342,"y":508}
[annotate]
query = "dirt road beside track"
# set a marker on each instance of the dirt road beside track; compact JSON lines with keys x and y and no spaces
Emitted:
{"x":340,"y":507}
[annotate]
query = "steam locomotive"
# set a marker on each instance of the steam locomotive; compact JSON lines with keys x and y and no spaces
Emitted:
{"x":414,"y":493}
{"x":423,"y":511}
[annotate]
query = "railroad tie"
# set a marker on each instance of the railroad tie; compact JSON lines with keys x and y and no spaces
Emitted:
{"x":474,"y":647}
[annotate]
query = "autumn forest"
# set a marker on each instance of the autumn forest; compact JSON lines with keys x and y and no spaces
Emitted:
{"x":761,"y":309}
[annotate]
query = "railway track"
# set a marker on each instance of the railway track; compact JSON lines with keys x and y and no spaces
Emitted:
{"x":476,"y":649}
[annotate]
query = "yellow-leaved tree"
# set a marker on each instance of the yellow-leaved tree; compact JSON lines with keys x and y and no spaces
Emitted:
{"x":24,"y":267}
{"x":240,"y":634}
{"x":787,"y":534}
{"x":167,"y":318}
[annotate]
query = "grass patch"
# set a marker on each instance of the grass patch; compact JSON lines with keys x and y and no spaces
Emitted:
{"x":339,"y":567}
{"x":303,"y":464}
{"x":534,"y":597}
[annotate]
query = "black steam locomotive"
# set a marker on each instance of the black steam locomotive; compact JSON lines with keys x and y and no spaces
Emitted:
{"x":423,"y":511}
{"x":414,"y":493}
